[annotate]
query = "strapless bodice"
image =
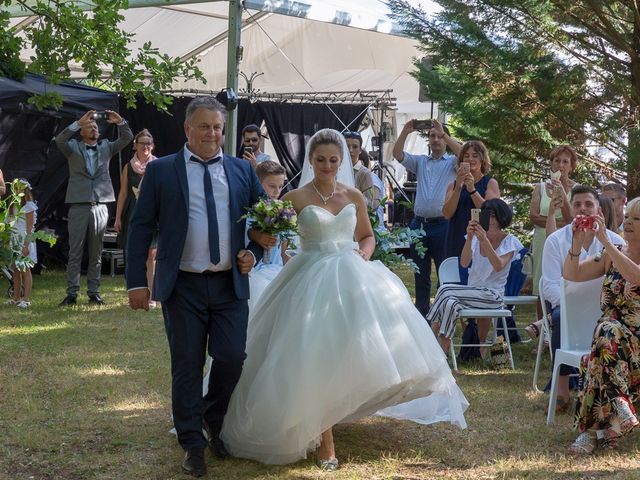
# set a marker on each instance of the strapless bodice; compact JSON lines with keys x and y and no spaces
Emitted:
{"x":321,"y":230}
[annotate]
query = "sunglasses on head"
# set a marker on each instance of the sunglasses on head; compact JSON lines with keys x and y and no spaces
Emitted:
{"x":352,"y":135}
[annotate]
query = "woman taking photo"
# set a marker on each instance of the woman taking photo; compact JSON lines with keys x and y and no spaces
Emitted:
{"x":604,"y":411}
{"x":470,"y":189}
{"x":562,"y":159}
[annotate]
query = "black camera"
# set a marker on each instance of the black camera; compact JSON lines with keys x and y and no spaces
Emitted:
{"x":98,"y":116}
{"x":243,"y":150}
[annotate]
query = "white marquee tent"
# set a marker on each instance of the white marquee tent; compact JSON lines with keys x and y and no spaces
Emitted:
{"x":295,"y":46}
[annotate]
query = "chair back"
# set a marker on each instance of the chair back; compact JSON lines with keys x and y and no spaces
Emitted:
{"x":448,"y":272}
{"x":543,"y":302}
{"x":516,"y":278}
{"x":579,"y":311}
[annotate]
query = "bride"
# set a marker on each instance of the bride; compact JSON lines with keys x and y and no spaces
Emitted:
{"x":334,"y":337}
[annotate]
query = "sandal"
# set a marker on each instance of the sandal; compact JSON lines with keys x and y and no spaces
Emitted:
{"x":628,"y":420}
{"x":585,"y":444}
{"x":533,"y":331}
{"x":562,"y":405}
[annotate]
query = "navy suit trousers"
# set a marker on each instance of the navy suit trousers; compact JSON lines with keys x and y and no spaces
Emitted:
{"x":203,"y":311}
{"x":435,"y":243}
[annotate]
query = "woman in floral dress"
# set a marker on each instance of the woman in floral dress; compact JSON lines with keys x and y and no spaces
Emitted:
{"x":605,"y":412}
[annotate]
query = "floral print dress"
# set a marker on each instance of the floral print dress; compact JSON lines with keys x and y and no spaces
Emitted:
{"x":612,"y":373}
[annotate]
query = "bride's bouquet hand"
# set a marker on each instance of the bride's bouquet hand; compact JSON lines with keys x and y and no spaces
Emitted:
{"x":276,"y":218}
{"x":265,"y":240}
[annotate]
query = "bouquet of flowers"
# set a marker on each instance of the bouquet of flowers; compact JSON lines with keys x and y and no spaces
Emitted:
{"x":275,"y":217}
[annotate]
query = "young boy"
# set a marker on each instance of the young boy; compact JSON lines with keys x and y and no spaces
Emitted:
{"x":272,"y":177}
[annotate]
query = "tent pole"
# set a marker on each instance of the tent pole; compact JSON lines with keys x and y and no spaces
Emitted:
{"x":234,"y":56}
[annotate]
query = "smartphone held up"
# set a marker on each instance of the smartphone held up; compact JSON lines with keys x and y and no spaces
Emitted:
{"x":482,"y":217}
{"x":422,"y":124}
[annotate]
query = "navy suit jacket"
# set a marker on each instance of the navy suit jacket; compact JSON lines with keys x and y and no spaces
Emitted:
{"x":163,"y":203}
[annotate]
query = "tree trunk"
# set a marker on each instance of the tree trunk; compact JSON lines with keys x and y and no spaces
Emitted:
{"x":633,"y":150}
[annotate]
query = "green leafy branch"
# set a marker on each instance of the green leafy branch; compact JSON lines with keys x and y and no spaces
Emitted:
{"x":65,"y":37}
{"x":388,"y":241}
{"x":10,"y":213}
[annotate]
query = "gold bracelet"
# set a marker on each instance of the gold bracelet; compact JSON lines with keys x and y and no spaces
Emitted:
{"x":573,"y":255}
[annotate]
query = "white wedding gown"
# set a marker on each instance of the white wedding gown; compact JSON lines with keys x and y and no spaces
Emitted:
{"x":332,"y":339}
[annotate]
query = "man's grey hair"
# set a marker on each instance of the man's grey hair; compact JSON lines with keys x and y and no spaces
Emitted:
{"x":616,"y":188}
{"x":208,"y":103}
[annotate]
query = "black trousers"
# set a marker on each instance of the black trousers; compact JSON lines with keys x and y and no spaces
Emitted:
{"x":202,"y":312}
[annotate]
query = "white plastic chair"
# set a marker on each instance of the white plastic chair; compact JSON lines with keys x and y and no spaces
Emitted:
{"x":449,"y":273}
{"x":545,"y":334}
{"x":579,"y":312}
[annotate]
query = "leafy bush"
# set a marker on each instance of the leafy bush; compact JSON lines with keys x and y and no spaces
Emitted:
{"x":10,"y":212}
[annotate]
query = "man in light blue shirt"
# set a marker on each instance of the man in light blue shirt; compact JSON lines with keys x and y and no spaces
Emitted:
{"x":433,"y":172}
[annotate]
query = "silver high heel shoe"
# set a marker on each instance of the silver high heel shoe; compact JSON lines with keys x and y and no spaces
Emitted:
{"x":328,"y":464}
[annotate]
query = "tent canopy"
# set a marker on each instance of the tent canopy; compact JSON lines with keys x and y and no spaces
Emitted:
{"x":301,"y":46}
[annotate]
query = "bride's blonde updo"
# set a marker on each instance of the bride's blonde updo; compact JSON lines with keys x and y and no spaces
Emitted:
{"x":326,"y":136}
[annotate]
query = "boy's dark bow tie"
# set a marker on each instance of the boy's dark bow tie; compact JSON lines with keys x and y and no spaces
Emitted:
{"x":91,"y":147}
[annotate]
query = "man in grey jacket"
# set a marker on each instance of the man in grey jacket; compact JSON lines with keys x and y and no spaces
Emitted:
{"x":88,"y":192}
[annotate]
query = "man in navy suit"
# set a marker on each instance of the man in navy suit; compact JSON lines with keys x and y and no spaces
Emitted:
{"x":195,"y":198}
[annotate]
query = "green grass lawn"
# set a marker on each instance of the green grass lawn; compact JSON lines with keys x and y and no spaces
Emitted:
{"x":85,"y":394}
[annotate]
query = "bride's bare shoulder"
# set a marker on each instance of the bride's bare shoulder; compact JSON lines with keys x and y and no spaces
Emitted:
{"x":299,"y":197}
{"x":353,"y":193}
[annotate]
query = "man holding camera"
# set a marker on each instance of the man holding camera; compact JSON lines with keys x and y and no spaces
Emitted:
{"x":585,"y":203}
{"x":433,"y":173}
{"x":251,"y":146}
{"x":88,"y":191}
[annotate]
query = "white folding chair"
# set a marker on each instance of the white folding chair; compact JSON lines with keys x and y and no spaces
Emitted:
{"x":449,"y":273}
{"x":579,"y":312}
{"x":545,"y":334}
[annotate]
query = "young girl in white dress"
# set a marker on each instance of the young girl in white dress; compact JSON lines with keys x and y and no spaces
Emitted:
{"x":334,"y":337}
{"x":25,"y":222}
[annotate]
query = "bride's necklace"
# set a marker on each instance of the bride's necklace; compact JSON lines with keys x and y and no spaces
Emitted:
{"x":324,"y":199}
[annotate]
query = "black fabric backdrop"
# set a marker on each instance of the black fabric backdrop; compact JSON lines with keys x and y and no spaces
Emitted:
{"x":27,"y":149}
{"x":289,"y":125}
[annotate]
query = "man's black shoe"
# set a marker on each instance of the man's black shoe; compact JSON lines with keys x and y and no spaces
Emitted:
{"x":215,"y":444}
{"x":68,"y":300}
{"x":96,"y":299}
{"x":193,"y":463}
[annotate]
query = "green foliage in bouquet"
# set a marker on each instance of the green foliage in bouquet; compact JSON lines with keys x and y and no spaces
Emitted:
{"x":10,"y":212}
{"x":275,"y":217}
{"x":388,"y":240}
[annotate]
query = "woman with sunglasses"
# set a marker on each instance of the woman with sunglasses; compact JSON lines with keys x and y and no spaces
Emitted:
{"x":132,"y":174}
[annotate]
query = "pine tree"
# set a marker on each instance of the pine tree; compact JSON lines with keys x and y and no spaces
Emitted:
{"x":526,"y":75}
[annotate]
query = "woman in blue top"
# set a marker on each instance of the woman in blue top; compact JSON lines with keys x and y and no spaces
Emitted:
{"x":471,"y":187}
